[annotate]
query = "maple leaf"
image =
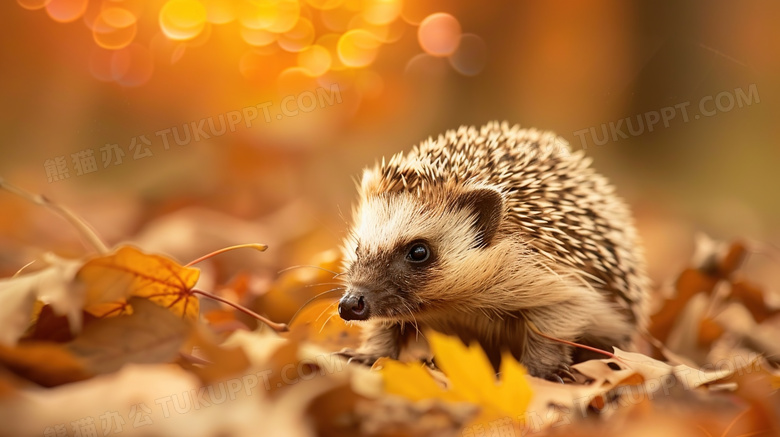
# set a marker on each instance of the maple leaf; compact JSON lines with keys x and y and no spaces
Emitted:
{"x":470,"y":379}
{"x":110,"y":279}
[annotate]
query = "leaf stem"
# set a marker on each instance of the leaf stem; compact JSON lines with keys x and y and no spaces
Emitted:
{"x":278,"y":327}
{"x":256,"y":246}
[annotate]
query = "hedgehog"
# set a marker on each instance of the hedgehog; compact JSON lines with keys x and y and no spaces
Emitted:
{"x":493,"y":235}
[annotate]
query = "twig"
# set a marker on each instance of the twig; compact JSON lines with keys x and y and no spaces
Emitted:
{"x":77,"y":222}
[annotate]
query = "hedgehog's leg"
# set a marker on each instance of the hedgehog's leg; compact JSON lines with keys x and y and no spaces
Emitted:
{"x":380,"y":340}
{"x":544,"y":358}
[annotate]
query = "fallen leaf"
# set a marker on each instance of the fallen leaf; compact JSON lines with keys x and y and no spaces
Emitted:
{"x":149,"y":335}
{"x":690,"y":283}
{"x":47,"y":364}
{"x":752,"y":296}
{"x":49,"y":326}
{"x":223,"y":361}
{"x":470,"y":377}
{"x":52,"y":285}
{"x":129,"y":272}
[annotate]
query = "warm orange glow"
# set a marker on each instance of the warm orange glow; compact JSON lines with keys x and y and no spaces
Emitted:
{"x":299,"y":37}
{"x":315,"y":37}
{"x":330,"y":42}
{"x":325,"y":4}
{"x":288,"y":12}
{"x":132,"y":65}
{"x":220,"y":11}
{"x":381,"y":11}
{"x":358,"y":48}
{"x":114,"y":28}
{"x":439,"y":34}
{"x":315,"y":60}
{"x":182,"y":19}
{"x":65,"y":11}
{"x":258,"y":14}
{"x":470,"y":57}
{"x":33,"y":4}
{"x":257,"y":37}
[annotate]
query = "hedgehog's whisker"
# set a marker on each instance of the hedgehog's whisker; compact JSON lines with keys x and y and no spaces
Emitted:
{"x":319,"y":284}
{"x":326,"y":322}
{"x":414,"y":321}
{"x":332,"y":290}
{"x":309,"y":266}
{"x":327,"y":308}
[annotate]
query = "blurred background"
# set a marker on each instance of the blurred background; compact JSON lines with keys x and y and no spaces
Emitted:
{"x":187,"y":125}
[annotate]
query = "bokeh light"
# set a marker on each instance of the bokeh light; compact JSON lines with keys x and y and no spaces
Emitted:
{"x":65,"y":11}
{"x":114,"y":28}
{"x":220,"y":11}
{"x":257,"y":37}
{"x":318,"y":38}
{"x":330,"y":42}
{"x":258,"y":14}
{"x":470,"y":57}
{"x":132,"y":65}
{"x":336,"y":20}
{"x":439,"y":34}
{"x":315,"y":60}
{"x":380,"y":32}
{"x":358,"y":48}
{"x":381,"y":11}
{"x":202,"y":38}
{"x":426,"y":66}
{"x":299,"y":37}
{"x":288,"y":12}
{"x":32,"y":5}
{"x":325,"y":4}
{"x":182,"y":19}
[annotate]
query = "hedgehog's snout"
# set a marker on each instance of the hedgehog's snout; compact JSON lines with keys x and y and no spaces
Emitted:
{"x":354,"y":305}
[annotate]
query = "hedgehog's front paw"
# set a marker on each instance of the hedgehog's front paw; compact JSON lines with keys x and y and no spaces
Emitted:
{"x":366,"y":358}
{"x":562,"y":374}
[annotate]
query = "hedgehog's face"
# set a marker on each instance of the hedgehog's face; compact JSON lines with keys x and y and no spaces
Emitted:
{"x":406,"y":253}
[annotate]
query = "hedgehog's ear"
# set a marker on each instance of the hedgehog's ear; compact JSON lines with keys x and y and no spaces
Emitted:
{"x":488,"y":205}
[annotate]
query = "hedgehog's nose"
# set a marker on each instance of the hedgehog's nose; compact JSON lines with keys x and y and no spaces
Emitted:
{"x":353,"y":307}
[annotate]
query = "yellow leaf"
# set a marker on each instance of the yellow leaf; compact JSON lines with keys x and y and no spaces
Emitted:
{"x":514,"y":392}
{"x":471,"y":379}
{"x":412,"y":381}
{"x":128,"y":272}
{"x":468,"y":369}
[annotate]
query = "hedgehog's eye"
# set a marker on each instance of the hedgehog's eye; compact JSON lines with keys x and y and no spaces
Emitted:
{"x":419,"y":252}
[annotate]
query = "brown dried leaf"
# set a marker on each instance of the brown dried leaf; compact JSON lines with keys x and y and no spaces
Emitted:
{"x":752,"y":296}
{"x":47,"y":364}
{"x":51,"y":285}
{"x":150,"y":335}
